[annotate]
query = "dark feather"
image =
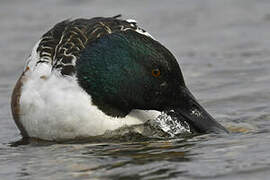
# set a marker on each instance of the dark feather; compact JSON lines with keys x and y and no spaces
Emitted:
{"x":62,"y":44}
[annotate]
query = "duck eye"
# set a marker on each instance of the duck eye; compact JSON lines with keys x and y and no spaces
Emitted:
{"x":156,"y":72}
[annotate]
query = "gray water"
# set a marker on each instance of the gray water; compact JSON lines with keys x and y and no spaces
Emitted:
{"x":223,"y":48}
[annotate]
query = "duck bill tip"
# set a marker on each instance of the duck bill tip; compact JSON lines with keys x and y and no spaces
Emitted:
{"x":196,"y":116}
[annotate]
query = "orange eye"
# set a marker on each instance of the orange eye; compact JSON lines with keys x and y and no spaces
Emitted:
{"x":156,"y":72}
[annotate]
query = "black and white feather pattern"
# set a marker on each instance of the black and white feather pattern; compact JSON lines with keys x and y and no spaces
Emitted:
{"x":61,"y":45}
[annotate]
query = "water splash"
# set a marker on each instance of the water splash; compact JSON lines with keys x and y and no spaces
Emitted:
{"x":172,"y":125}
{"x":166,"y":125}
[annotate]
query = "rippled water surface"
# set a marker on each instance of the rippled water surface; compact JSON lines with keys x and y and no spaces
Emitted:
{"x":223,"y":48}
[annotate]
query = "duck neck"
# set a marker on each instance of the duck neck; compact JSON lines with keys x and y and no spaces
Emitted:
{"x":112,"y":109}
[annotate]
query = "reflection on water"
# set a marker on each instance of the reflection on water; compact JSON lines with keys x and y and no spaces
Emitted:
{"x":87,"y":160}
{"x":204,"y":156}
{"x":223,"y":49}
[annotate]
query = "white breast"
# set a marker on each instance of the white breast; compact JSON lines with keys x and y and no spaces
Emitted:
{"x":54,"y":107}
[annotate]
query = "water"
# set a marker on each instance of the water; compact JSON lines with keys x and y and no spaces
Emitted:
{"x":223,"y":48}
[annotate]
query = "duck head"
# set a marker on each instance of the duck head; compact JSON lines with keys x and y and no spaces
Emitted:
{"x":126,"y":70}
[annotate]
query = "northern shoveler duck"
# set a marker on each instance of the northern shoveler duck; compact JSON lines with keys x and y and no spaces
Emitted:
{"x":87,"y":76}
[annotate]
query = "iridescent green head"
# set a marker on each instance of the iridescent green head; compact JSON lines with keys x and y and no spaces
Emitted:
{"x":126,"y":70}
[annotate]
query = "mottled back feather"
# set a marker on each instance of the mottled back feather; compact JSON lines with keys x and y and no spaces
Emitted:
{"x":62,"y":44}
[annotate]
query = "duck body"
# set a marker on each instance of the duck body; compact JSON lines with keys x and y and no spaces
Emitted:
{"x":87,"y":76}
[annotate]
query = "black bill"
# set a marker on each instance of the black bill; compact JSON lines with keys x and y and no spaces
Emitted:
{"x":194,"y":114}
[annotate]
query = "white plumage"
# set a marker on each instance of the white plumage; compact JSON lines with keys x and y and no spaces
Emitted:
{"x":55,"y":107}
